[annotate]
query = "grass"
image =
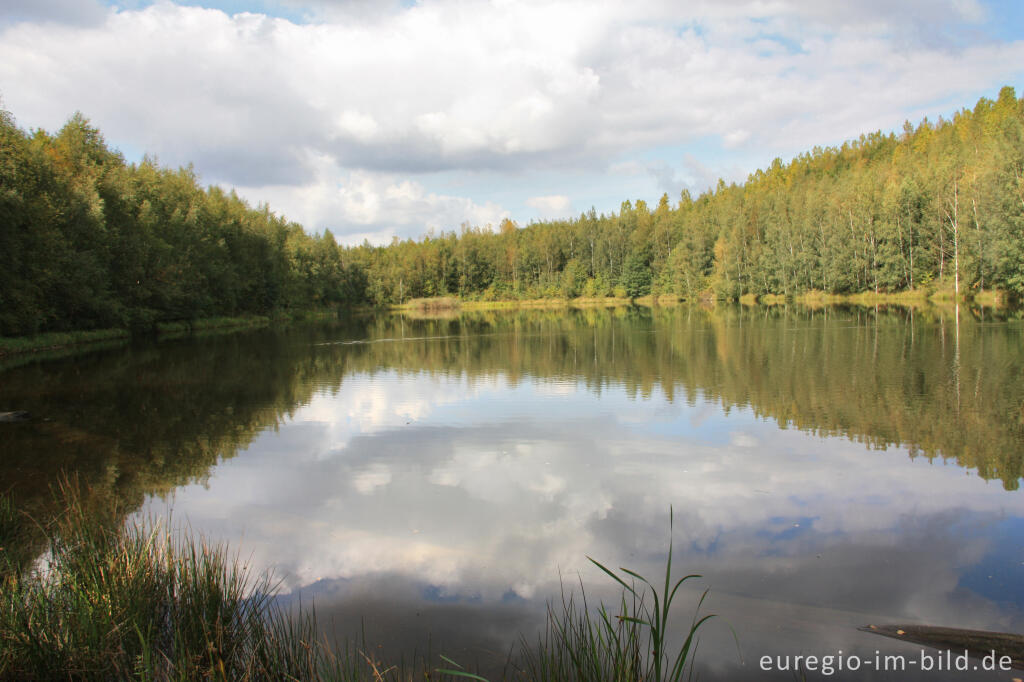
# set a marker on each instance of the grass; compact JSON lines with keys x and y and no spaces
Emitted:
{"x":125,"y":602}
{"x":772,"y":299}
{"x":515,"y":304}
{"x":456,"y":304}
{"x":632,"y":644}
{"x":597,"y":301}
{"x":109,"y":601}
{"x":114,"y":601}
{"x":652,"y":300}
{"x":910,"y":297}
{"x":62,"y":340}
{"x":629,"y":646}
{"x":816,"y":298}
{"x":446,"y":304}
{"x":11,"y":360}
{"x":50,"y":341}
{"x":991,"y":298}
{"x":430,"y":304}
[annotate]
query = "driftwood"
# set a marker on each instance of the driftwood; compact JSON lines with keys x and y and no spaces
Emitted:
{"x":977,"y":643}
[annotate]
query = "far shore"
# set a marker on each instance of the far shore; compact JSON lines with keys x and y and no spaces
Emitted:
{"x":813,"y":299}
{"x":57,"y":341}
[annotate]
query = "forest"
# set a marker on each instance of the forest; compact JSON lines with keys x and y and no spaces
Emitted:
{"x":936,"y":206}
{"x":89,"y":241}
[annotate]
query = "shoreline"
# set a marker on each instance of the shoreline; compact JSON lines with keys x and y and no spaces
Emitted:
{"x":914,"y":298}
{"x":57,"y":341}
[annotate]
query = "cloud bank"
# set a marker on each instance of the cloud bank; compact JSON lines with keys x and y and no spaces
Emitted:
{"x":346,"y":121}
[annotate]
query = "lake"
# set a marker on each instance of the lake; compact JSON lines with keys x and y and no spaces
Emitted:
{"x":432,"y":482}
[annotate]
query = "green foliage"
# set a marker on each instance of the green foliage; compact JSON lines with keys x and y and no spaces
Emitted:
{"x":636,"y":274}
{"x":90,"y":242}
{"x":115,"y":602}
{"x":59,"y":339}
{"x":882,"y":213}
{"x":629,"y":646}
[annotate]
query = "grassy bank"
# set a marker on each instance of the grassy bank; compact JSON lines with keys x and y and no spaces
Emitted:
{"x":910,"y":297}
{"x":164,"y":330}
{"x":110,"y":601}
{"x":653,"y":300}
{"x":813,"y":299}
{"x":10,"y":360}
{"x":991,"y":298}
{"x":436,"y":303}
{"x":57,"y":340}
{"x":451,"y":304}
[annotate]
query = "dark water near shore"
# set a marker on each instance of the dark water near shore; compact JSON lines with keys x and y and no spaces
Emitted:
{"x":827,"y":469}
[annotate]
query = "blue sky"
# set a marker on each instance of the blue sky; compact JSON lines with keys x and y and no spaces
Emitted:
{"x":377,"y":119}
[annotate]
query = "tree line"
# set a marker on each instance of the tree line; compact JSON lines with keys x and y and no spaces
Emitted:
{"x":937,"y":205}
{"x":90,"y":241}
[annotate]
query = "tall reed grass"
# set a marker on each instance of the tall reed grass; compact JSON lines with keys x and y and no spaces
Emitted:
{"x":109,"y":601}
{"x":631,"y":644}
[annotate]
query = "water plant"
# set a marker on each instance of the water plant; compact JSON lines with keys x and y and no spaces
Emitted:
{"x":113,"y":601}
{"x":632,"y":645}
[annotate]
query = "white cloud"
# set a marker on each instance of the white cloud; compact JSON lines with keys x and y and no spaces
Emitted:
{"x":369,"y":98}
{"x":360,"y":204}
{"x":551,"y":206}
{"x":360,"y":126}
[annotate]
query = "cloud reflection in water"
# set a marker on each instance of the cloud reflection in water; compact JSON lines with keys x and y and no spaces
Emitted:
{"x":410,"y":493}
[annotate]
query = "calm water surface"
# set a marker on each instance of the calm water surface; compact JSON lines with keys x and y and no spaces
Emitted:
{"x":827,"y":469}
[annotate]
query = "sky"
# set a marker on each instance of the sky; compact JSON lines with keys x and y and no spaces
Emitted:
{"x":383,"y":119}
